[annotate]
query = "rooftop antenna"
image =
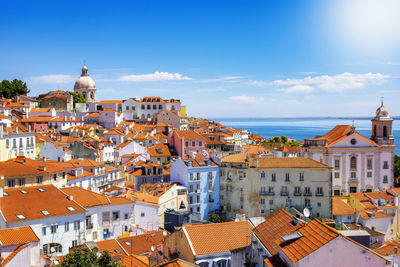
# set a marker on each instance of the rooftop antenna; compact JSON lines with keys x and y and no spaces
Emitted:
{"x":84,"y":62}
{"x":381,"y":100}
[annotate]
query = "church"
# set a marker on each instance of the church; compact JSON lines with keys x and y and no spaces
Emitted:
{"x":85,"y":86}
{"x":359,"y":164}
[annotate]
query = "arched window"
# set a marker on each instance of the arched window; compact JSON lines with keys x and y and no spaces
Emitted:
{"x":91,"y":96}
{"x":84,"y":95}
{"x":148,"y":116}
{"x":385,"y":131}
{"x":203,"y":264}
{"x":374,"y":130}
{"x":353,"y":163}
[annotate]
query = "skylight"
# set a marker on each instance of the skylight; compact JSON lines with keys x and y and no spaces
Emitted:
{"x":5,"y":194}
{"x":21,"y":217}
{"x":23,"y":192}
{"x":71,"y":208}
{"x":41,"y":189}
{"x":45,"y":212}
{"x":117,"y":251}
{"x":128,"y":243}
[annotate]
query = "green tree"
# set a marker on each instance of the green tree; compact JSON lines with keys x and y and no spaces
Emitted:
{"x":85,"y":257}
{"x":284,"y":139}
{"x":396,"y":170}
{"x":275,"y":139}
{"x":215,"y":218}
{"x":77,"y":98}
{"x":15,"y":87}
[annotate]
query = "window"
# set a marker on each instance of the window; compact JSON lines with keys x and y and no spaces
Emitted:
{"x":106,"y":216}
{"x":186,"y":143}
{"x":369,"y":174}
{"x":198,"y":199}
{"x":271,"y":202}
{"x":337,"y":164}
{"x":287,"y":177}
{"x":353,"y":175}
{"x":262,"y":174}
{"x":143,"y":107}
{"x":20,"y":216}
{"x":127,"y":108}
{"x":319,"y":191}
{"x":88,"y":221}
{"x":262,"y":201}
{"x":200,"y":143}
{"x":142,"y":214}
{"x":301,"y":176}
{"x":307,"y":191}
{"x":159,"y":106}
{"x":39,"y":180}
{"x":55,"y":177}
{"x":349,"y":217}
{"x":353,"y":163}
{"x":11,"y":183}
{"x":126,"y":216}
{"x":385,"y":165}
{"x":53,"y":228}
{"x":43,"y":230}
{"x":74,"y":243}
{"x":369,"y":164}
{"x":385,"y":179}
{"x":148,"y":106}
{"x":319,"y":204}
{"x":337,"y":175}
{"x":70,"y":208}
{"x":307,"y":202}
{"x":94,"y":235}
{"x":198,"y":209}
{"x":21,"y":182}
{"x":210,"y":186}
{"x":191,"y":200}
{"x":115,"y":215}
{"x":273,"y":177}
{"x":45,"y":212}
{"x":45,"y":249}
{"x":297,"y":191}
{"x":198,"y":176}
{"x":66,"y":227}
{"x":193,"y":143}
{"x":77,"y":225}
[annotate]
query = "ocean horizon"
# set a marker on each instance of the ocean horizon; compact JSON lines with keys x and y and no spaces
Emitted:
{"x":301,"y":128}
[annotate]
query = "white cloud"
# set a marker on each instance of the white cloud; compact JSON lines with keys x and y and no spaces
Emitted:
{"x":246,"y":99}
{"x":298,"y":89}
{"x":156,"y":76}
{"x":258,"y":83}
{"x":336,"y":83}
{"x":53,"y":78}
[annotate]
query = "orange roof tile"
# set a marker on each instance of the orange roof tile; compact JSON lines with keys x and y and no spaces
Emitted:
{"x":339,"y":207}
{"x":112,"y":247}
{"x":368,"y":215}
{"x":142,"y":243}
{"x":135,"y":260}
{"x":190,"y":135}
{"x":12,"y":255}
{"x":274,"y":227}
{"x":21,"y":166}
{"x":18,"y":235}
{"x":110,"y":102}
{"x":31,"y":204}
{"x":221,"y":237}
{"x":159,"y":150}
{"x":92,"y":115}
{"x":87,"y":198}
{"x":389,"y":248}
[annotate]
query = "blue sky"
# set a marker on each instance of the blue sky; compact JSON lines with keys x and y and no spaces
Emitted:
{"x":221,"y":58}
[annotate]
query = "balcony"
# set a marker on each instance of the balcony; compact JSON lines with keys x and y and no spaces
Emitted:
{"x":284,"y":193}
{"x":297,"y":194}
{"x":353,"y":180}
{"x":211,"y":201}
{"x":263,"y":193}
{"x":319,"y":194}
{"x":89,"y":226}
{"x":307,"y":194}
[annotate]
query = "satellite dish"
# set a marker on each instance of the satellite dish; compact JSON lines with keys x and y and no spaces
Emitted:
{"x":306,"y":212}
{"x":52,"y":250}
{"x":164,"y":233}
{"x":153,"y":248}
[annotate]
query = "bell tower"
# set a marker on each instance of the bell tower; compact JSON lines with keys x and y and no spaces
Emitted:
{"x":382,"y":127}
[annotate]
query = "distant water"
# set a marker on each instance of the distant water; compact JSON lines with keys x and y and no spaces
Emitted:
{"x":303,"y":128}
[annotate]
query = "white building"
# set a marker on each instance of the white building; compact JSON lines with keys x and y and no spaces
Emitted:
{"x":19,"y":141}
{"x":359,"y":164}
{"x":57,"y":220}
{"x":106,"y":217}
{"x":129,"y":109}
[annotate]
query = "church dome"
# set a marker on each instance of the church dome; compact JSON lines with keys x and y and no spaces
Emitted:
{"x":84,"y":81}
{"x":382,"y":111}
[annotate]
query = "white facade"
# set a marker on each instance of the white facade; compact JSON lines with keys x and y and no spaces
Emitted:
{"x":146,"y":216}
{"x":129,"y":109}
{"x":108,"y":153}
{"x":21,"y":144}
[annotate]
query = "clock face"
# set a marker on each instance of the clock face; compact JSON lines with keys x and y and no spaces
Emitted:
{"x":353,"y":141}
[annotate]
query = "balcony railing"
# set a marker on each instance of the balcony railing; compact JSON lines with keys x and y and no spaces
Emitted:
{"x":211,"y":200}
{"x":307,"y":194}
{"x":319,"y":194}
{"x":353,"y":180}
{"x":284,"y":193}
{"x":297,"y":194}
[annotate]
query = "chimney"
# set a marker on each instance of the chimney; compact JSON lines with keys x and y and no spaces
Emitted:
{"x":70,"y":197}
{"x":16,"y":129}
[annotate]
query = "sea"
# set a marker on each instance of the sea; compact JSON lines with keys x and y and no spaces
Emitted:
{"x":304,"y":128}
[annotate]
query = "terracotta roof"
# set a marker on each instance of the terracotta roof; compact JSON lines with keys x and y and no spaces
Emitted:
{"x":135,"y":260}
{"x":359,"y":196}
{"x":337,"y":132}
{"x":389,"y":248}
{"x":92,"y":115}
{"x":87,"y":198}
{"x":285,"y":162}
{"x":159,"y":150}
{"x":190,"y":135}
{"x":289,"y":149}
{"x":274,"y":261}
{"x":235,"y":158}
{"x":279,"y":224}
{"x":110,"y":102}
{"x":18,"y":235}
{"x":33,"y":110}
{"x":142,"y":243}
{"x":32,"y":203}
{"x":314,"y":235}
{"x":339,"y":207}
{"x":221,"y":237}
{"x":112,"y":247}
{"x":38,"y":119}
{"x":368,"y":215}
{"x":145,"y":198}
{"x":21,"y":166}
{"x":107,"y":109}
{"x":176,"y":263}
{"x":85,"y":163}
{"x":380,"y":195}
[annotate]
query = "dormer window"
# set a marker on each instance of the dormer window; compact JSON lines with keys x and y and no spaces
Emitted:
{"x":45,"y":212}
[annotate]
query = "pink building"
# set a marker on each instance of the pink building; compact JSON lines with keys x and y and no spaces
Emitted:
{"x":187,"y":143}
